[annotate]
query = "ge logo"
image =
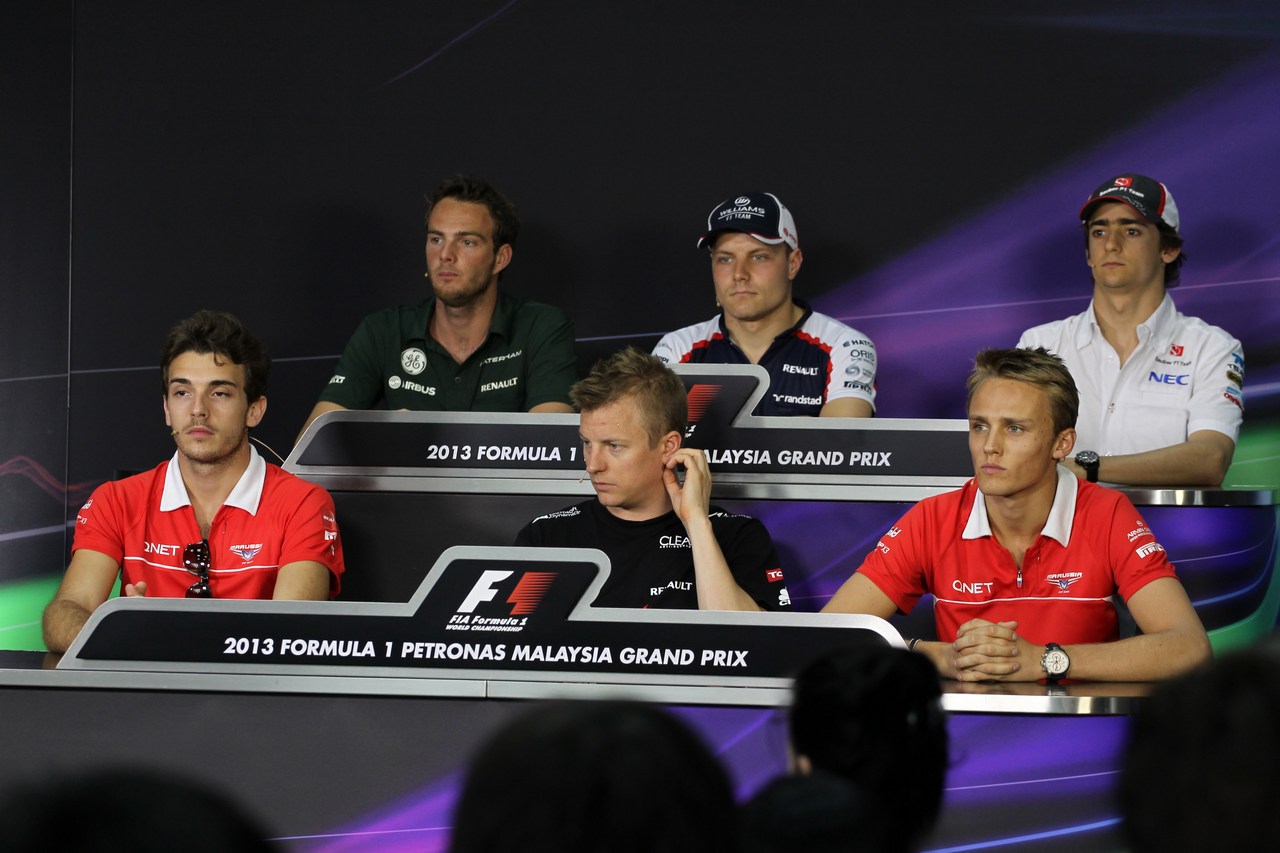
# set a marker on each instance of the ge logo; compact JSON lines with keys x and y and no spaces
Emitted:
{"x":742,"y":199}
{"x":413,"y":360}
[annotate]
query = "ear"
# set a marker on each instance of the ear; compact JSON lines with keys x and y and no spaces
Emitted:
{"x":257,"y":409}
{"x":794,"y":261}
{"x":1170,"y":255}
{"x":802,"y":765}
{"x":1063,"y":444}
{"x":168,"y":421}
{"x":669,"y":443}
{"x":502,"y":258}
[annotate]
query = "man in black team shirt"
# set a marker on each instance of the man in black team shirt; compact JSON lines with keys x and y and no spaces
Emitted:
{"x":667,"y":546}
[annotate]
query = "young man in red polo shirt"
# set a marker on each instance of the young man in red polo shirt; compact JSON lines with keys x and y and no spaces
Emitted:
{"x":1024,"y":559}
{"x":215,"y":521}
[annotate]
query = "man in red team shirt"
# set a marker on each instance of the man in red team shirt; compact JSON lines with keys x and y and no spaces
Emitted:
{"x":1024,"y":559}
{"x":216,"y":520}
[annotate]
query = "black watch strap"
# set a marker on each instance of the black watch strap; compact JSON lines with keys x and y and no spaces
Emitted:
{"x":1089,"y":461}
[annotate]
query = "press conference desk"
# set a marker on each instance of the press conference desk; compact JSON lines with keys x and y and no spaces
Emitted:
{"x":356,"y":722}
{"x":374,"y":764}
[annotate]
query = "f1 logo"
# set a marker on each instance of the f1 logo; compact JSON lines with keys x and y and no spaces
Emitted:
{"x":483,"y":589}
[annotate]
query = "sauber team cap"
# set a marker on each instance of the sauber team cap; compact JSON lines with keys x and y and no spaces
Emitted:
{"x":1150,"y":198}
{"x":759,"y":214}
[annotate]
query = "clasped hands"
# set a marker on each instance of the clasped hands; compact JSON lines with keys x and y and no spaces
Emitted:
{"x":991,"y":651}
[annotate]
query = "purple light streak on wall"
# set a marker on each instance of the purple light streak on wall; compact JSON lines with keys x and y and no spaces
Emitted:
{"x":419,"y":821}
{"x":1020,"y":262}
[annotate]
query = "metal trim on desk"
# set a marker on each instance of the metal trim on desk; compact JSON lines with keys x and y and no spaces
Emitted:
{"x":1029,"y":699}
{"x":1198,"y":497}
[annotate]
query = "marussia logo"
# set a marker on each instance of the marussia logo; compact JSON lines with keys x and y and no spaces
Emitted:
{"x":1176,"y":350}
{"x":524,"y":599}
{"x":246,"y":552}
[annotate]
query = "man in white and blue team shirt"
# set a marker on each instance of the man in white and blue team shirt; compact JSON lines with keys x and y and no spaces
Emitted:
{"x":817,"y":365}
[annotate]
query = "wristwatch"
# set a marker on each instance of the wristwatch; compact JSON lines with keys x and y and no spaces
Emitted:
{"x":1055,"y":662}
{"x":1088,"y":460}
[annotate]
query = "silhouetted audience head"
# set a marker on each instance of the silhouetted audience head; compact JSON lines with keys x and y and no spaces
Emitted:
{"x":1201,"y":769}
{"x":572,"y":777}
{"x":812,"y":813}
{"x":125,"y":811}
{"x":873,"y":715}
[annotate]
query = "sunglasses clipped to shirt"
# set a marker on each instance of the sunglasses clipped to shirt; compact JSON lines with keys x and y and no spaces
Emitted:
{"x":196,"y":558}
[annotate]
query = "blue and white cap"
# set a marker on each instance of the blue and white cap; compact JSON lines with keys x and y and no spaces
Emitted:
{"x":759,"y":214}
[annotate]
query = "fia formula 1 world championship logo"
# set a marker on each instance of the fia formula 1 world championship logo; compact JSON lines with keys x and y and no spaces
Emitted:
{"x":523,"y":600}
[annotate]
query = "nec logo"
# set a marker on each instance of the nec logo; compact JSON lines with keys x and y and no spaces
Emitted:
{"x":524,"y":599}
{"x":1169,"y":378}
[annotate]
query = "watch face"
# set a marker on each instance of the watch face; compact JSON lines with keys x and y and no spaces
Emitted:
{"x":1056,"y":662}
{"x":1086,"y":457}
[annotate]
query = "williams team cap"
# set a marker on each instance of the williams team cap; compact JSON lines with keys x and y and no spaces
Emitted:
{"x":1150,"y":198}
{"x":759,"y":214}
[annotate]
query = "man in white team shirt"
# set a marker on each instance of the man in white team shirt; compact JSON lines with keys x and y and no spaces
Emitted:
{"x":1161,"y":393}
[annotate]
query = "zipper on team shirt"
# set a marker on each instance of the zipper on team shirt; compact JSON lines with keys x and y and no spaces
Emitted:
{"x":1019,"y":577}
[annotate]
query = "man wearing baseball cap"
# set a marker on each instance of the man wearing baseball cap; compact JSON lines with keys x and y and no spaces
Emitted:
{"x":1161,"y":393}
{"x":817,"y":365}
